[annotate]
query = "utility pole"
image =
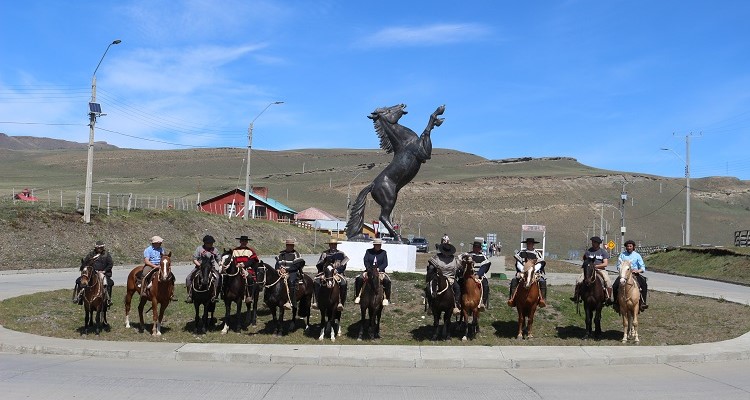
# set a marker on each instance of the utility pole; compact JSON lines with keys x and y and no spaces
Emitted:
{"x":623,"y":198}
{"x":687,"y":188}
{"x":249,"y":147}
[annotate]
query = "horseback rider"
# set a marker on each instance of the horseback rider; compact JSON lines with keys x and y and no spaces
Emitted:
{"x":375,"y":257}
{"x":638,"y":267}
{"x":102,"y":261}
{"x":151,"y":260}
{"x":600,"y":258}
{"x":246,"y":259}
{"x":338,"y":259}
{"x":291,"y":261}
{"x":482,"y":265}
{"x":446,"y":261}
{"x":209,"y":252}
{"x":521,"y":257}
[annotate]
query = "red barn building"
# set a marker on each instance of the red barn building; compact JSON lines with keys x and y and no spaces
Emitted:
{"x":232,"y":203}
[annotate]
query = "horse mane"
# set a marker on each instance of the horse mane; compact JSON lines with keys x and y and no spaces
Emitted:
{"x":385,"y":141}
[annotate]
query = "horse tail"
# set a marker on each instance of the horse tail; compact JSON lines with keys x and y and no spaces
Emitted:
{"x":357,"y":213}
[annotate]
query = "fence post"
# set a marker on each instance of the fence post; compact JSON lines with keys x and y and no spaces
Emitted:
{"x":61,"y":203}
{"x":129,"y":198}
{"x":107,"y":203}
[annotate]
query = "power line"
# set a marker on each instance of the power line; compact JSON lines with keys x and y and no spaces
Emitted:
{"x":154,"y":140}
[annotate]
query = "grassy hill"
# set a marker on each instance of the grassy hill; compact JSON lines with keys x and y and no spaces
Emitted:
{"x":461,"y":194}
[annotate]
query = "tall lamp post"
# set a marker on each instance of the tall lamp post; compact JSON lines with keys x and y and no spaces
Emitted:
{"x":247,"y":173}
{"x":94,"y":110}
{"x":686,"y":160}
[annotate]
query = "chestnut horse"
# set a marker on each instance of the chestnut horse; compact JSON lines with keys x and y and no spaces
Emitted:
{"x":371,"y":302}
{"x":593,"y":295}
{"x":328,"y":300}
{"x":92,"y":283}
{"x":471,"y":296}
{"x":441,"y":301}
{"x":527,"y":299}
{"x":628,"y":298}
{"x":160,"y":293}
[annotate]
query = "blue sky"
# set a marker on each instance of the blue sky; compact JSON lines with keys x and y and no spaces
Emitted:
{"x":606,"y":82}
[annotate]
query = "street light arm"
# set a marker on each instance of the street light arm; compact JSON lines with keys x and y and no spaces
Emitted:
{"x":117,"y":41}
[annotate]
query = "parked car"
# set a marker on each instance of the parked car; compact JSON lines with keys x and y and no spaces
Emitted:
{"x":420,"y":243}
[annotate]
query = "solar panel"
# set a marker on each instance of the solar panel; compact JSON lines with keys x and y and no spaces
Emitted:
{"x":95,"y":108}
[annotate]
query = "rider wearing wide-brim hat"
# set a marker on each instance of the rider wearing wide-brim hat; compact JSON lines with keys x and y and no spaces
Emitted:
{"x":374,"y":257}
{"x":207,"y":251}
{"x":151,"y":260}
{"x":338,"y":259}
{"x":600,"y":259}
{"x":638,"y":267}
{"x":292,"y":262}
{"x":482,"y":265}
{"x":522,"y":256}
{"x":101,"y":260}
{"x":447,"y":262}
{"x":247,"y":260}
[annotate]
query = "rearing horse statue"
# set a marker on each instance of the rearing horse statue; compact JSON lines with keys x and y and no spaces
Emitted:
{"x":409,"y":153}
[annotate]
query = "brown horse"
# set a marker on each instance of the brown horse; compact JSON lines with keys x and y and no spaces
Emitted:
{"x":593,"y":294}
{"x":441,"y":300}
{"x":527,"y":299}
{"x":160,"y":293}
{"x":371,"y":302}
{"x":471,"y":297}
{"x":628,"y":298}
{"x":328,"y":300}
{"x":92,"y":283}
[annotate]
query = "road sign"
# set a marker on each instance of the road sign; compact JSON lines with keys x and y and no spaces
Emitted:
{"x":611,"y":244}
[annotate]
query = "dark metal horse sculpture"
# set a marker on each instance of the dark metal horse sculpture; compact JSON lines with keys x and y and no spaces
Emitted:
{"x":441,"y":301}
{"x":409,"y":153}
{"x":593,"y":295}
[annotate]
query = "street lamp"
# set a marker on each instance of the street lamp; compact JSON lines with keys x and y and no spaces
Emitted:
{"x":94,"y":110}
{"x":249,"y":146}
{"x":686,"y":160}
{"x":349,"y":188}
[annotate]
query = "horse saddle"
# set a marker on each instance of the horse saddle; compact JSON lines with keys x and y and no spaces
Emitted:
{"x":140,"y":278}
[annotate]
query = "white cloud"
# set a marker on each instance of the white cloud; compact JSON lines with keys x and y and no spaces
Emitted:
{"x":428,"y":35}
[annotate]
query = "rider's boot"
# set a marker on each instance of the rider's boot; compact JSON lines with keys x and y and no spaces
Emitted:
{"x":108,"y":296}
{"x":512,"y":293}
{"x":485,"y":295}
{"x":609,"y":300}
{"x":386,"y":292}
{"x":76,"y":294}
{"x":316,"y":294}
{"x":456,"y":303}
{"x":189,"y":298}
{"x":342,"y":297}
{"x":576,"y":294}
{"x":643,"y":303}
{"x":358,"y":289}
{"x":543,"y":289}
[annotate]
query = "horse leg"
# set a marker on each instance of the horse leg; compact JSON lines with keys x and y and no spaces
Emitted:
{"x":128,"y":297}
{"x":254,"y":313}
{"x":598,"y":322}
{"x":475,"y":323}
{"x":362,"y":311}
{"x":624,"y":311}
{"x":465,"y":324}
{"x":519,"y":335}
{"x":634,"y":322}
{"x":376,"y":325}
{"x":227,"y":312}
{"x":97,"y":327}
{"x":530,"y":322}
{"x":435,"y":324}
{"x":589,"y":315}
{"x":141,"y":306}
{"x":197,"y":322}
{"x":446,"y":325}
{"x":155,"y":331}
{"x":323,"y":310}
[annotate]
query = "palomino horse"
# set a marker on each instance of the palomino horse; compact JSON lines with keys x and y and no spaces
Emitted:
{"x":160,"y":293}
{"x":371,"y":302}
{"x":328,"y":300}
{"x":233,"y":291}
{"x":628,"y":298}
{"x":527,"y":299}
{"x":441,"y":301}
{"x":276,"y":294}
{"x":204,"y":286}
{"x":409,"y":153}
{"x":593,"y":295}
{"x":471,"y":296}
{"x":92,"y":283}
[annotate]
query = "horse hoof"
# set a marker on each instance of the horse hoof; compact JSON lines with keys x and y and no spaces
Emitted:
{"x":359,"y":339}
{"x":463,"y":339}
{"x":519,"y":337}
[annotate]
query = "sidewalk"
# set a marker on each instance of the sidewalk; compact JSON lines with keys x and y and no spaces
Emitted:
{"x":500,"y":357}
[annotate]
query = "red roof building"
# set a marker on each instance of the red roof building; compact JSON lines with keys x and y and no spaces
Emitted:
{"x":232,"y":203}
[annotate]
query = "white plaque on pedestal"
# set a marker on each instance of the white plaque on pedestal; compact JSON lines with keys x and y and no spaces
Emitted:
{"x":401,"y":257}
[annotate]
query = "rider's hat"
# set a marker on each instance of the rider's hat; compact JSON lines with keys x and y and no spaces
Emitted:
{"x":99,"y":243}
{"x":290,"y":241}
{"x":531,"y":239}
{"x":208,"y":239}
{"x":243,"y":237}
{"x":596,"y":239}
{"x":156,"y":239}
{"x":476,"y":243}
{"x":332,"y":241}
{"x":447,"y":249}
{"x":377,"y":241}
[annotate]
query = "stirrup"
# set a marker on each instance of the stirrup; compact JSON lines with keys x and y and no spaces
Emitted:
{"x":288,"y":305}
{"x":356,"y":300}
{"x":189,"y":300}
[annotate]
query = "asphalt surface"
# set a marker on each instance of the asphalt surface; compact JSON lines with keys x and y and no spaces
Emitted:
{"x":15,"y":283}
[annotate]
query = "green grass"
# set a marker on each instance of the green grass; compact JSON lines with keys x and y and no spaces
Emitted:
{"x":729,"y":265}
{"x":672,"y":319}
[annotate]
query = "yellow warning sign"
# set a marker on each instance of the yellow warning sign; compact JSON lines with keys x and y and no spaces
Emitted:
{"x":611,"y":244}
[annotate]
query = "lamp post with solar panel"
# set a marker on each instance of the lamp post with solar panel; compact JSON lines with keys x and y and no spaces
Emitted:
{"x":95,"y":110}
{"x":247,"y":174}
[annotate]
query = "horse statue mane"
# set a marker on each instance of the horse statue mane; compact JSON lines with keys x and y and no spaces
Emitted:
{"x":409,"y":153}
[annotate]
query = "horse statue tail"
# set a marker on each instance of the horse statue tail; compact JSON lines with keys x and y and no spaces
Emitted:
{"x":357,"y":213}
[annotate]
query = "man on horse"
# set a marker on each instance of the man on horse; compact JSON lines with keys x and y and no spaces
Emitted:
{"x":245,"y":257}
{"x":151,"y":260}
{"x":522,"y":256}
{"x":638,"y":267}
{"x":482,"y":264}
{"x":289,"y":261}
{"x":337,"y":258}
{"x":211,"y":254}
{"x":446,"y":261}
{"x":101,"y":260}
{"x":600,"y":258}
{"x":378,"y":258}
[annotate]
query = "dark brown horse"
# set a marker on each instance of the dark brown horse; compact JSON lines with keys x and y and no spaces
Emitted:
{"x":593,"y":294}
{"x":328,"y":300}
{"x":275,"y":295}
{"x":203,"y":288}
{"x":160,"y":293}
{"x":233,"y":291}
{"x":92,"y":283}
{"x":441,"y":301}
{"x":527,"y":299}
{"x":471,"y":296}
{"x":371,"y":302}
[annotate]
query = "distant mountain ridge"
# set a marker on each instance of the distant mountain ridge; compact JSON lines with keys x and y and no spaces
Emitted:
{"x":43,"y":143}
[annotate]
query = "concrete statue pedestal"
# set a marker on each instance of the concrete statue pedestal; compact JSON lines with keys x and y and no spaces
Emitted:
{"x":401,"y":257}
